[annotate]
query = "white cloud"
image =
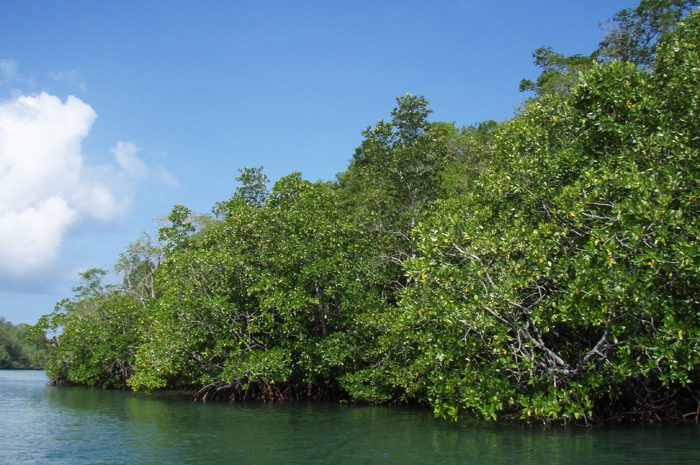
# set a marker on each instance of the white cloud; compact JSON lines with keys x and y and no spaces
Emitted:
{"x":71,"y":77}
{"x":8,"y":70}
{"x":10,"y":76}
{"x":32,"y":237}
{"x":165,"y":177}
{"x":44,"y":189}
{"x":125,"y":153}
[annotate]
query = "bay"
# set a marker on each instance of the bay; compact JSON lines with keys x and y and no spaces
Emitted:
{"x":74,"y":425}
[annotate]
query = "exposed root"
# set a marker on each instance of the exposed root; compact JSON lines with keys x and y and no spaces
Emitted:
{"x":254,"y":387}
{"x":58,"y":382}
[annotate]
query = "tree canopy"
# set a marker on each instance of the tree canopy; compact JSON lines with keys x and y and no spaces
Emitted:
{"x":632,"y":36}
{"x":544,"y":267}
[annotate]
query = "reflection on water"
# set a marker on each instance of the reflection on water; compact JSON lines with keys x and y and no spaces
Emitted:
{"x":40,"y":424}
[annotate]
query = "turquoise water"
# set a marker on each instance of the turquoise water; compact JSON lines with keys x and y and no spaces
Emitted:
{"x":42,"y":425}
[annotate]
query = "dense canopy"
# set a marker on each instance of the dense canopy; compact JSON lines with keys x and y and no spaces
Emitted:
{"x":542,"y":267}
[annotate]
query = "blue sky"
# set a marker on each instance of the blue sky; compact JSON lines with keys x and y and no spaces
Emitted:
{"x":113,"y":112}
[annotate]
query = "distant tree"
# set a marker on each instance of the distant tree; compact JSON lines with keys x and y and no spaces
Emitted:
{"x":17,"y":349}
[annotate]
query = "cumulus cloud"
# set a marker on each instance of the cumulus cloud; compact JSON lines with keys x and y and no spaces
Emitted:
{"x":44,"y":187}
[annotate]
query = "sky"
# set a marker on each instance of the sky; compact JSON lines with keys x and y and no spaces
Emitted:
{"x":113,"y":112}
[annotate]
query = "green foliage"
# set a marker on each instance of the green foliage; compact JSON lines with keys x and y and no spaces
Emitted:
{"x":633,"y":32}
{"x":572,"y":270}
{"x":632,"y":37}
{"x":92,"y":337}
{"x":543,"y":267}
{"x":177,"y":234}
{"x":468,"y":152}
{"x":264,"y":299}
{"x":253,"y":191}
{"x":401,"y":159}
{"x":559,"y":72}
{"x":17,"y":348}
{"x":138,"y":266}
{"x":395,"y":173}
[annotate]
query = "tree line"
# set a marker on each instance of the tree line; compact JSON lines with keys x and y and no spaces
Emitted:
{"x":544,"y":267}
{"x":16,"y":348}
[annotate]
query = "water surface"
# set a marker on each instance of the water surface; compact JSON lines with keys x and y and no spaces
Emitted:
{"x":41,"y":425}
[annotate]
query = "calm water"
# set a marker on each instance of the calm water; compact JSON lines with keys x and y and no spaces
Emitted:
{"x":40,"y":424}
